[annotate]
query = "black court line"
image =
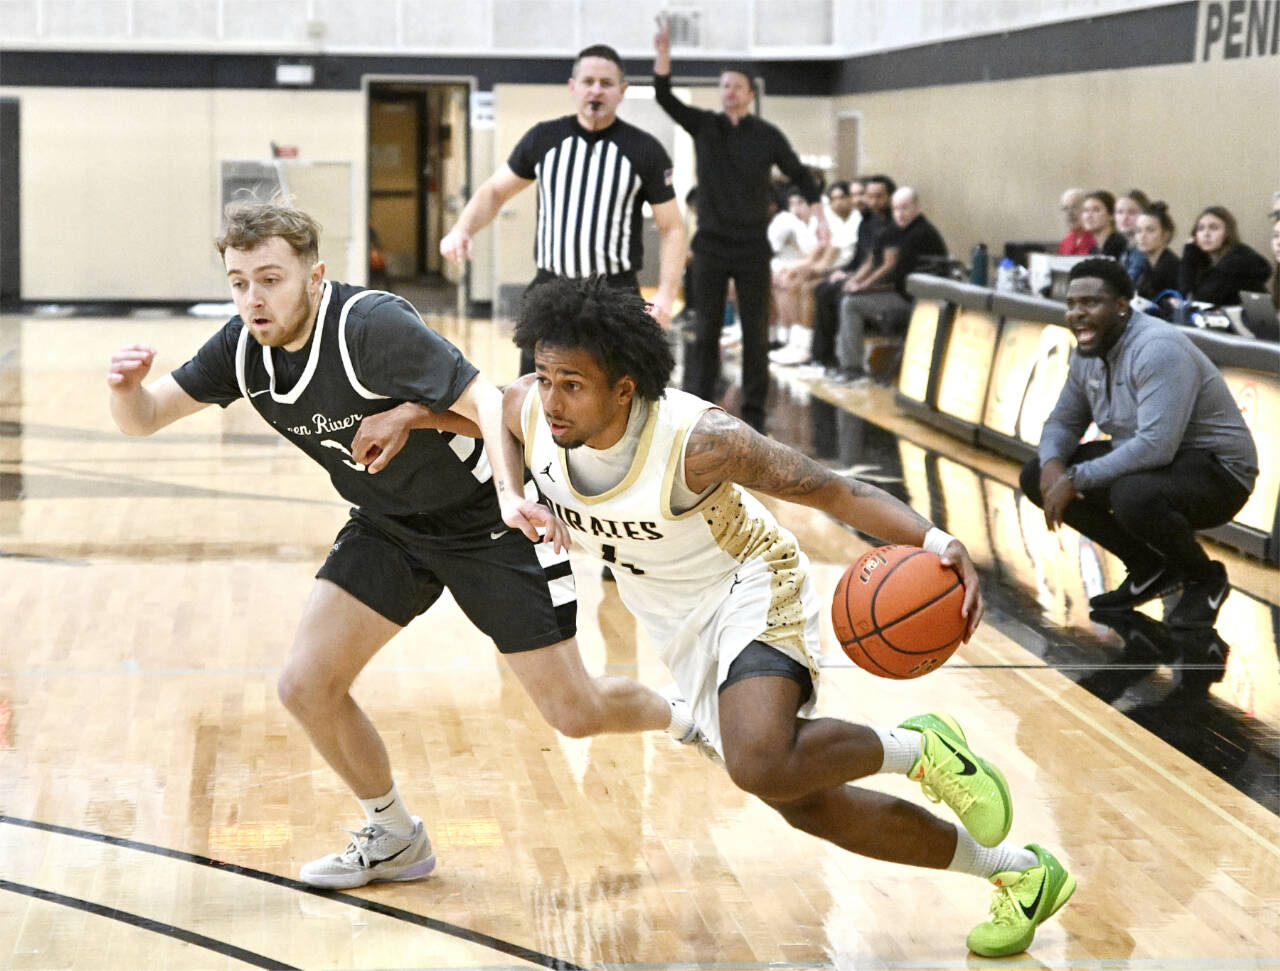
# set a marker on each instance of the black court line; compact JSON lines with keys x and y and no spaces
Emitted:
{"x":147,"y":924}
{"x":396,"y":913}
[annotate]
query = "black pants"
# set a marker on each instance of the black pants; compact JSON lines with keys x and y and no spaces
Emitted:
{"x":621,"y":281}
{"x":1149,"y":516}
{"x":826,"y":321}
{"x":752,"y":282}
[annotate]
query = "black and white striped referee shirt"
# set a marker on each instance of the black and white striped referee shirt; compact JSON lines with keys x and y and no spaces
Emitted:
{"x":591,"y":185}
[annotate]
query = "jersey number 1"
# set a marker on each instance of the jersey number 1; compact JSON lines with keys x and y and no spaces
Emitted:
{"x":610,"y":555}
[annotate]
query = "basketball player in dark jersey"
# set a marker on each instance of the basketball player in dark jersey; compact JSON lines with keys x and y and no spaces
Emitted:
{"x":352,"y":377}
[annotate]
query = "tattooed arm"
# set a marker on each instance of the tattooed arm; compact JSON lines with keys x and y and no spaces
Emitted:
{"x":722,"y":448}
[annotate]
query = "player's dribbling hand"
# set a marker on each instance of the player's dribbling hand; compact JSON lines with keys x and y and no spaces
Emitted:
{"x":129,"y":366}
{"x":456,"y":246}
{"x":528,"y":517}
{"x":956,"y":557}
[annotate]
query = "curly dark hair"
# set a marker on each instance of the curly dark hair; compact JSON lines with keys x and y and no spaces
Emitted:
{"x":612,"y":325}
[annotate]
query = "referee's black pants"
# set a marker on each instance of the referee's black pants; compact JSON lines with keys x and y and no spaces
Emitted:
{"x":1149,"y":518}
{"x":621,"y":281}
{"x":752,"y":283}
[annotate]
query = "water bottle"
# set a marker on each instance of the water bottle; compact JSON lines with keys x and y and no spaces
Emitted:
{"x":1006,"y":275}
{"x":978,"y":265}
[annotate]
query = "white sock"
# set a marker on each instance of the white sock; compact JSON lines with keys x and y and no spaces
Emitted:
{"x":681,"y":724}
{"x":901,"y":749}
{"x":981,"y":861}
{"x":390,"y":813}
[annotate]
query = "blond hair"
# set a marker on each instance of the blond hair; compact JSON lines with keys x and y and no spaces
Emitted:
{"x":247,"y":224}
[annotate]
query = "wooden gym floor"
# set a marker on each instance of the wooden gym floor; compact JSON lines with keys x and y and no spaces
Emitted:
{"x":156,"y":800}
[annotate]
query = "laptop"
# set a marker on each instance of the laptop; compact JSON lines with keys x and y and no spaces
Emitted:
{"x":1258,"y":311}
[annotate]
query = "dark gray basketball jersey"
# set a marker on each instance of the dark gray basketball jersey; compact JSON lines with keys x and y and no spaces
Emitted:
{"x":368,"y":352}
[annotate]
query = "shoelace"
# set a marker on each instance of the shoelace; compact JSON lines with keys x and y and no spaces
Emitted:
{"x":707,"y":750}
{"x":357,"y":849}
{"x":939,"y":785}
{"x":1005,"y":907}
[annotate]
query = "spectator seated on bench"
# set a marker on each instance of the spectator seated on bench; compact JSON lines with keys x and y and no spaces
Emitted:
{"x":1216,"y":265}
{"x":879,"y":305}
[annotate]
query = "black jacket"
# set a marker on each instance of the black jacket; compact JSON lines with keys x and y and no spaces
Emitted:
{"x":1240,"y":268}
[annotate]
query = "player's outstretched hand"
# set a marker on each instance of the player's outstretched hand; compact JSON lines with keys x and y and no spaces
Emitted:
{"x":456,"y":246}
{"x":528,"y":517}
{"x":957,"y":557}
{"x":129,"y":366}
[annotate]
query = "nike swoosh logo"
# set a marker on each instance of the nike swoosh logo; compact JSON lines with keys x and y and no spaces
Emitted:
{"x":499,"y":534}
{"x":1216,"y":602}
{"x":383,"y":809}
{"x":1138,"y":588}
{"x":1030,"y":912}
{"x":388,"y":859}
{"x":254,"y":394}
{"x":966,"y":767}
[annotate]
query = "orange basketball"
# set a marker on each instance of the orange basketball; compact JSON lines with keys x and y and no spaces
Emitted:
{"x":896,"y":612}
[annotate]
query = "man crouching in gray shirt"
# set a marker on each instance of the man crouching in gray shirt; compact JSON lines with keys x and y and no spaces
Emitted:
{"x":1180,"y":456}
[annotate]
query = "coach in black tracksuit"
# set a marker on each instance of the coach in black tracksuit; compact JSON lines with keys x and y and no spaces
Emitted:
{"x":736,"y":152}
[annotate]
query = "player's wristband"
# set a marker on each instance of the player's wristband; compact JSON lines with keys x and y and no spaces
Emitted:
{"x":935,"y":541}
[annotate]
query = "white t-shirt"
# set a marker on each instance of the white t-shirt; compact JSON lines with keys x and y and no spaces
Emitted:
{"x":791,"y":239}
{"x":844,"y":234}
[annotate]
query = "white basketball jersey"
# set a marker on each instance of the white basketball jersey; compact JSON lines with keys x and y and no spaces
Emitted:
{"x":705,"y":582}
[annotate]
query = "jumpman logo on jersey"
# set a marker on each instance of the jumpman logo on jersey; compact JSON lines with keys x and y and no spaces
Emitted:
{"x":736,"y":581}
{"x":547,"y":472}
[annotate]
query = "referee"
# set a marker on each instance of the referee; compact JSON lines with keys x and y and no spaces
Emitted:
{"x":594,"y":171}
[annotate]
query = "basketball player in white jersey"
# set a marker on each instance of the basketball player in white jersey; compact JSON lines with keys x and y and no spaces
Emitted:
{"x":351,"y":377}
{"x":651,"y":480}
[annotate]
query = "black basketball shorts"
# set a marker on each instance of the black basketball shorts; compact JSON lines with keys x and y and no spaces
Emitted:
{"x":759,"y":660}
{"x":519,"y":593}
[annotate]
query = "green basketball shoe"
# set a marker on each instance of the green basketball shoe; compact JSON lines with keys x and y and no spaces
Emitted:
{"x":1023,"y":900}
{"x":949,"y":772}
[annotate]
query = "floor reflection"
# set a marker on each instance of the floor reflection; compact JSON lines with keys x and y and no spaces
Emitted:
{"x":1214,"y":695}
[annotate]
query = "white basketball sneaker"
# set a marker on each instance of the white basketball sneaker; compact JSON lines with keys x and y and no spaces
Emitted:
{"x":373,"y":855}
{"x":796,"y":350}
